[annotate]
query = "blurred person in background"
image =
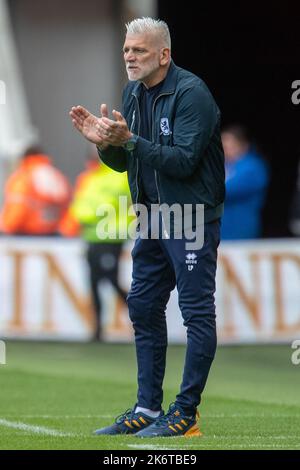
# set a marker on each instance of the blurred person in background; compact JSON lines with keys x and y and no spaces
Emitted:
{"x":96,"y":187}
{"x":36,"y":196}
{"x":295,"y":208}
{"x":247,"y":177}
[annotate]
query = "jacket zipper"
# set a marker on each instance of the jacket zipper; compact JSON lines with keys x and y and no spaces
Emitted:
{"x":137,"y":161}
{"x":155,"y":171}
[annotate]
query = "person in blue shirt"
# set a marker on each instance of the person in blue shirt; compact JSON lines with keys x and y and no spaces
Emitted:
{"x":247,"y":177}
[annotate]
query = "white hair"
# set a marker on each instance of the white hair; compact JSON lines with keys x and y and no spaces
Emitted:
{"x":150,"y":25}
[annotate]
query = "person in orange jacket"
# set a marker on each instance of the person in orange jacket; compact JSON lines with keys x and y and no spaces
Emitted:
{"x":36,"y":196}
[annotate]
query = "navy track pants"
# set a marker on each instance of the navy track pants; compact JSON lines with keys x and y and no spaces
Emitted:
{"x":158,"y":266}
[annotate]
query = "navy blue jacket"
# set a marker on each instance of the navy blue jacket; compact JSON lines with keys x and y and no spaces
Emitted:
{"x":186,"y":150}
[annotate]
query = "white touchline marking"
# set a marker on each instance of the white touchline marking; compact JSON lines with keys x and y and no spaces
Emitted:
{"x":61,"y":416}
{"x":268,"y":446}
{"x":250,"y":415}
{"x":206,"y":446}
{"x":34,"y":429}
{"x":155,"y":447}
{"x":110,"y":416}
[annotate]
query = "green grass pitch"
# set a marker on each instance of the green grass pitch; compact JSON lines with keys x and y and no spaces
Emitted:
{"x":52,"y":396}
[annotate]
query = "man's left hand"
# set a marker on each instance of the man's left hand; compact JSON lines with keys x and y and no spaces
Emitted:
{"x":116,"y":132}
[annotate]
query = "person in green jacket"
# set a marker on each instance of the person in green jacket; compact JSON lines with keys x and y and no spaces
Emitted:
{"x":95,"y":201}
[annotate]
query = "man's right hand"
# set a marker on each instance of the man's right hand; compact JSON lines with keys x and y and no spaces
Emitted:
{"x":87,"y":124}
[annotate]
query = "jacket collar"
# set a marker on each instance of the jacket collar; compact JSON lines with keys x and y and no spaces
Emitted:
{"x":168,"y":86}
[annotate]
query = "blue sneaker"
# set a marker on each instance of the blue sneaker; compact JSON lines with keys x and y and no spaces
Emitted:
{"x":173,"y":424}
{"x":128,"y":423}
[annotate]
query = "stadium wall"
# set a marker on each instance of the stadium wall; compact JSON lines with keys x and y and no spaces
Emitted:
{"x":45,"y":294}
{"x":69,"y":54}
